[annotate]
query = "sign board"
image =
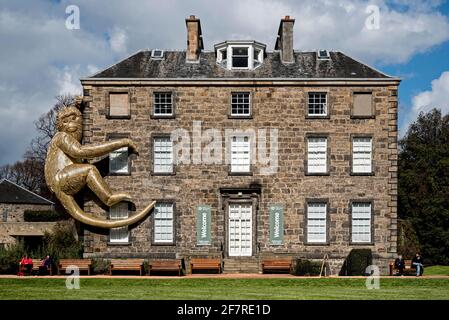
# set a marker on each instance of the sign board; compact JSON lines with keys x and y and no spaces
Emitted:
{"x":203,"y":225}
{"x":276,"y":224}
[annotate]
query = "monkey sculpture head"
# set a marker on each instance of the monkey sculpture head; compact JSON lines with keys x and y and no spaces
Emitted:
{"x":70,"y":120}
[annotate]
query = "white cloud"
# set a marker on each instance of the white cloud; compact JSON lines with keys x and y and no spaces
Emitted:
{"x":436,"y":97}
{"x":42,"y":58}
{"x":117,"y":41}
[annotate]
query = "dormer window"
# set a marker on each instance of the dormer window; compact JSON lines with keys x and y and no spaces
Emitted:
{"x":240,"y":55}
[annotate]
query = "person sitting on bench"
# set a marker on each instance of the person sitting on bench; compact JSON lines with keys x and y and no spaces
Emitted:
{"x":46,"y":263}
{"x":399,"y":264}
{"x":26,"y":265}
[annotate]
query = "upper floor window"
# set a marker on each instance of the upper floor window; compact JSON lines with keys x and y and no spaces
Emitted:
{"x":118,"y":161}
{"x":163,"y":155}
{"x":240,"y":154}
{"x":362,"y":155}
{"x":238,"y":55}
{"x":317,"y":155}
{"x":240,"y":104}
{"x":162,"y":104}
{"x":119,"y":105}
{"x":317,"y":104}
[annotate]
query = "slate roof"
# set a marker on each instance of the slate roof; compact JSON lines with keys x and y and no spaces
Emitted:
{"x":306,"y":65}
{"x":13,"y":193}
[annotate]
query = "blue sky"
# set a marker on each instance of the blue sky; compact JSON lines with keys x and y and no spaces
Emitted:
{"x":40,"y":58}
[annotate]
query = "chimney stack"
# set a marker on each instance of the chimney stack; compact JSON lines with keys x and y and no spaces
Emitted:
{"x":284,"y":41}
{"x":194,"y":39}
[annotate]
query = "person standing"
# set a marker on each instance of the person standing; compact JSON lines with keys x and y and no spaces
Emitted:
{"x":417,"y":262}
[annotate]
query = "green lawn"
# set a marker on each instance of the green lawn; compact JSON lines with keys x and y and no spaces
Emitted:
{"x":299,"y":288}
{"x":437,"y":270}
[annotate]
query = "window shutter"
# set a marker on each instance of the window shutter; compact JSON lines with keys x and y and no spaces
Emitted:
{"x":163,"y":155}
{"x":361,"y":222}
{"x":362,"y":155}
{"x":118,"y":104}
{"x":317,"y":155}
{"x":362,"y":104}
{"x":316,"y":222}
{"x":163,"y":223}
{"x":118,"y":212}
{"x":240,"y":154}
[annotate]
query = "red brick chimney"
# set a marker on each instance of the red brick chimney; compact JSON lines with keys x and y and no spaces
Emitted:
{"x":194,"y":39}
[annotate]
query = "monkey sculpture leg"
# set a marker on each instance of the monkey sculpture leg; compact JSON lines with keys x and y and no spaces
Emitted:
{"x":75,"y":176}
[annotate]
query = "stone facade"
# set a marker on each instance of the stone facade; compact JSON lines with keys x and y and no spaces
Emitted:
{"x":12,"y":223}
{"x":274,"y":105}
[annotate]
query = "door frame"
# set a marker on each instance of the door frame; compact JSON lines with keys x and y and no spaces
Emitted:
{"x":253,"y":200}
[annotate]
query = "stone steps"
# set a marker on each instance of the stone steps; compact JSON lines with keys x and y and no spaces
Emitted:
{"x":241,"y":265}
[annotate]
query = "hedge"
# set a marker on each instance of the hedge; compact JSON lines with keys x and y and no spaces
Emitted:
{"x":43,"y":216}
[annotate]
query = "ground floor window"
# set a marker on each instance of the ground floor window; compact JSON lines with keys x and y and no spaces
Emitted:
{"x":316,"y":222}
{"x":361,"y":222}
{"x":163,"y":223}
{"x":118,"y":212}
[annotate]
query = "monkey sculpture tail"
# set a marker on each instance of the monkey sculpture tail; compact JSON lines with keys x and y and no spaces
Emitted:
{"x":75,"y":211}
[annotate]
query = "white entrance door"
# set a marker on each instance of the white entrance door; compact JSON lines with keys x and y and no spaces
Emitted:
{"x":240,"y":229}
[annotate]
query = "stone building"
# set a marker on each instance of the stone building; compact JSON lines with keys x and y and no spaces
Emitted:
{"x":14,"y":201}
{"x":249,"y":153}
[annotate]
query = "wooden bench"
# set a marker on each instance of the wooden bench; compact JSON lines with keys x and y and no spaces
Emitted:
{"x":37,"y":263}
{"x":205,"y":264}
{"x":165,"y":265}
{"x":82,"y":264}
{"x":126,"y":265}
{"x":409,"y":268}
{"x":277,"y":265}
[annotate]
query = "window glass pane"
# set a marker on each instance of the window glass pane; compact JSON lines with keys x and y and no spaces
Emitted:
{"x":118,"y":161}
{"x":317,"y":104}
{"x":240,"y":51}
{"x":162,"y":103}
{"x":240,"y":104}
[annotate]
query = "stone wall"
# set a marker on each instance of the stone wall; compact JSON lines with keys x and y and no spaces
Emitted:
{"x":15,"y":223}
{"x":280,"y":107}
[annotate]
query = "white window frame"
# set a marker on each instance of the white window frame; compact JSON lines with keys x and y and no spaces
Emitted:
{"x":119,"y":235}
{"x":362,"y":155}
{"x":113,"y":156}
{"x":162,"y":164}
{"x":240,"y":154}
{"x":229,"y":57}
{"x":163,"y":224}
{"x":232,"y":104}
{"x":317,"y":222}
{"x":154,"y":104}
{"x":361,"y":222}
{"x":309,"y":103}
{"x":314,"y":155}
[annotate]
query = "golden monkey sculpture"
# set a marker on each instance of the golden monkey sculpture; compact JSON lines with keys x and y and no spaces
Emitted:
{"x":66,"y":174}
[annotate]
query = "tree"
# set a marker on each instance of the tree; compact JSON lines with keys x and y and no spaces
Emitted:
{"x":29,"y":173}
{"x":423,"y":186}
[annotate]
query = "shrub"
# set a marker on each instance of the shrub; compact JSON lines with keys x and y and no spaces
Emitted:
{"x":356,"y":262}
{"x":10,"y":258}
{"x":43,"y":216}
{"x":61,"y":243}
{"x":307,"y":268}
{"x":408,"y":243}
{"x":100,"y":266}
